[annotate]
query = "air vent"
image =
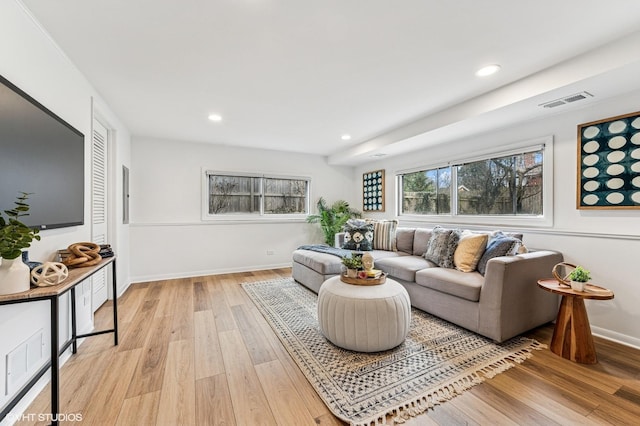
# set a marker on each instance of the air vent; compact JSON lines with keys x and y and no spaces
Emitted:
{"x":567,"y":100}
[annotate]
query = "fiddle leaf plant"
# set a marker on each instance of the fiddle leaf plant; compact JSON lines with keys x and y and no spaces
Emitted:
{"x":15,"y":235}
{"x":580,"y":275}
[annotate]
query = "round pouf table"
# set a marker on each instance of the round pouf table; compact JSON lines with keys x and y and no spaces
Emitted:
{"x":364,"y":318}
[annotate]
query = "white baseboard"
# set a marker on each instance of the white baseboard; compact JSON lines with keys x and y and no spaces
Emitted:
{"x":191,"y":274}
{"x":623,"y":339}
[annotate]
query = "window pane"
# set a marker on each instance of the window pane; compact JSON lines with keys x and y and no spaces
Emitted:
{"x":501,"y":186}
{"x":427,"y":192}
{"x":234,"y":194}
{"x":285,"y":196}
{"x":529,"y":183}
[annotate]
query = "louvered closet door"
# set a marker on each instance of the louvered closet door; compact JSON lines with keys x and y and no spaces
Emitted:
{"x":99,"y":206}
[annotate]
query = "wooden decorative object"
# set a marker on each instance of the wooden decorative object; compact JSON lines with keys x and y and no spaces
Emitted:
{"x":562,"y":280}
{"x":82,"y":255}
{"x":364,"y":281}
{"x":49,"y":273}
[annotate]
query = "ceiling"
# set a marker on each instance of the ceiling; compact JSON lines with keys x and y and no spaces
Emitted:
{"x":295,"y":75}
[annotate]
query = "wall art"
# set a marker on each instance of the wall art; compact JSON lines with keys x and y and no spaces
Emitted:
{"x":373,"y":191}
{"x":609,"y":163}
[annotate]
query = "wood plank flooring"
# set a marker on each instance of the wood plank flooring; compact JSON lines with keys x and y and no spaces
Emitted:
{"x":197,"y":352}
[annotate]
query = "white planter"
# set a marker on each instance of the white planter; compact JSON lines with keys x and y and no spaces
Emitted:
{"x":14,"y":276}
{"x":352,"y":273}
{"x":578,"y":286}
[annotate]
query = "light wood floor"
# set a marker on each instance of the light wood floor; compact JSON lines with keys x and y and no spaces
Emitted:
{"x":197,"y":352}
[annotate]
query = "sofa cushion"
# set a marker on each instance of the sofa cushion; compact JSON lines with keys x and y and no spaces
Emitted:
{"x":358,"y":235}
{"x":404,"y":239}
{"x":442,"y":245}
{"x":466,"y":285}
{"x":383,"y":254}
{"x":498,"y":246}
{"x":469,"y":251}
{"x":322,"y":263}
{"x":420,"y":241}
{"x":384,"y":234}
{"x":404,"y":267}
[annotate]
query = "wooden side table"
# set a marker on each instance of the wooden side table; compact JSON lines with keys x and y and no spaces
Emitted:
{"x":572,"y":337}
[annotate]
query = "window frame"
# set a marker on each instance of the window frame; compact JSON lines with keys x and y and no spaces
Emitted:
{"x":545,"y":144}
{"x":260,"y":216}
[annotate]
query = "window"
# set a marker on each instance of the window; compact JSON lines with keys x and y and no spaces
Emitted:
{"x":236,"y":195}
{"x":514,"y":183}
{"x":427,"y":192}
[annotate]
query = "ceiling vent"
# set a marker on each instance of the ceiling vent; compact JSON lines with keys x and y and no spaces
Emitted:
{"x":567,"y":100}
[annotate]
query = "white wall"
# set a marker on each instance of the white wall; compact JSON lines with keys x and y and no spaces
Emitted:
{"x":607,"y":242}
{"x":168,"y":237}
{"x":32,"y":61}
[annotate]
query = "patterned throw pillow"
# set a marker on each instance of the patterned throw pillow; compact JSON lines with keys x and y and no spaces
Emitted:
{"x":469,"y":251}
{"x":384,"y":234}
{"x":442,"y":246}
{"x":498,"y":246}
{"x":358,"y":235}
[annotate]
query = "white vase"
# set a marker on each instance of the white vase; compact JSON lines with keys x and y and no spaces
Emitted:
{"x":14,"y":276}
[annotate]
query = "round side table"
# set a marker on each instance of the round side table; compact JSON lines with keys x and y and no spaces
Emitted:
{"x":572,"y":337}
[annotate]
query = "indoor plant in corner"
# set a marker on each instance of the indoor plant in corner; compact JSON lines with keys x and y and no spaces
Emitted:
{"x":14,"y":237}
{"x":579,"y":277}
{"x":332,"y":218}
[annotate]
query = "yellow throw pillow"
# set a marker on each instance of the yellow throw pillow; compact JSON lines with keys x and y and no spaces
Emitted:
{"x":469,"y":251}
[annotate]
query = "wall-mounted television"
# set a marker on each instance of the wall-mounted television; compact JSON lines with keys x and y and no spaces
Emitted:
{"x":42,"y":154}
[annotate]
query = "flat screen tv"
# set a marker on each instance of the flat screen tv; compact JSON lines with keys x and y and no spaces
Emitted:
{"x":41,"y":154}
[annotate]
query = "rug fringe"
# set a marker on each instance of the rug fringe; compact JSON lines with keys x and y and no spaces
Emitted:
{"x":423,"y":403}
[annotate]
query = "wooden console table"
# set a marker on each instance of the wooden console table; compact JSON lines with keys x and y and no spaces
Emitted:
{"x":53,"y":294}
{"x":572,"y":337}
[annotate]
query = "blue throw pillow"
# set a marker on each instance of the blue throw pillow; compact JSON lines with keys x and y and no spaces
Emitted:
{"x":501,"y":245}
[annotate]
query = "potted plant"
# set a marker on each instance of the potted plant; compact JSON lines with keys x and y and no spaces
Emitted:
{"x":353,"y":265}
{"x":579,"y":277}
{"x":14,"y":237}
{"x":332,"y":218}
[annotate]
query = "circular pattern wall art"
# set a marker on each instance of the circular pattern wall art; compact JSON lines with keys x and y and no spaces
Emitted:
{"x":373,"y":191}
{"x":609,"y":163}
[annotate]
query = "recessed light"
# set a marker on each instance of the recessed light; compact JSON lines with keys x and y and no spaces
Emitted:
{"x":488,"y":70}
{"x":345,"y":137}
{"x":215,"y":117}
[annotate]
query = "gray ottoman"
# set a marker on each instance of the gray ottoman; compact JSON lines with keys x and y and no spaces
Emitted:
{"x":364,"y":318}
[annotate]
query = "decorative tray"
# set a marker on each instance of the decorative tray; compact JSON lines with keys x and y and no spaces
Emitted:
{"x":364,"y":281}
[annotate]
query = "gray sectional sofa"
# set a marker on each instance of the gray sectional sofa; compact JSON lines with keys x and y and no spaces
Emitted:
{"x":503,"y":303}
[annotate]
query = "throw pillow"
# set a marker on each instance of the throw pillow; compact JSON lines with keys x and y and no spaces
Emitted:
{"x":358,"y":235}
{"x":499,"y":246}
{"x":442,"y":246}
{"x":384,"y":234}
{"x":469,"y":251}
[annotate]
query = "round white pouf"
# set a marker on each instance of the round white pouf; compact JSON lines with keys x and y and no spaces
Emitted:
{"x":364,"y":318}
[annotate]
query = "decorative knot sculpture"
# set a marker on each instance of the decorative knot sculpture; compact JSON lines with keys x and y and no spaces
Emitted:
{"x":82,"y":255}
{"x":49,"y":273}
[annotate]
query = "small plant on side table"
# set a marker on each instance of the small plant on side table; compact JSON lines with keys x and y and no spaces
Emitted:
{"x":579,"y":276}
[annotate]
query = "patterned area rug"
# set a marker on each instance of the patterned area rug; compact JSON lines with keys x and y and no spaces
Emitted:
{"x":437,"y":361}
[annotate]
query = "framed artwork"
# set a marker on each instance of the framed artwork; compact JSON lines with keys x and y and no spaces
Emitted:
{"x":609,"y":163}
{"x":373,"y":191}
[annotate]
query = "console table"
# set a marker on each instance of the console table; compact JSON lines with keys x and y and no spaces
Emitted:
{"x":572,"y":337}
{"x":53,"y":294}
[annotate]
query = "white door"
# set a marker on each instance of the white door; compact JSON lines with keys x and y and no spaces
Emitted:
{"x":99,"y":147}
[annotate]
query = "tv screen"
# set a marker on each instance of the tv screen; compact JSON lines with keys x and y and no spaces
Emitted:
{"x":41,"y":154}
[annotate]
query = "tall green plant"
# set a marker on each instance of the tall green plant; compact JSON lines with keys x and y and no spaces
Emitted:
{"x":15,"y":235}
{"x":332,"y":218}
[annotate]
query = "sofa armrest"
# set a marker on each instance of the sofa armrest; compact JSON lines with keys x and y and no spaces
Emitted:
{"x":510,"y":299}
{"x":338,"y":240}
